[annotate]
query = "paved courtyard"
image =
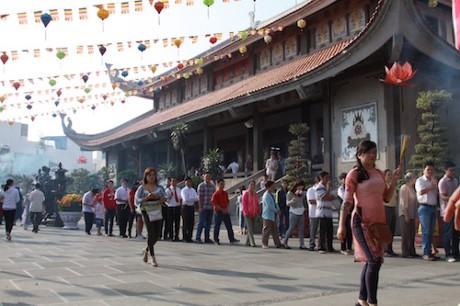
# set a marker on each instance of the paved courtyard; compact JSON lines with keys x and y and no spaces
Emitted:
{"x":60,"y":267}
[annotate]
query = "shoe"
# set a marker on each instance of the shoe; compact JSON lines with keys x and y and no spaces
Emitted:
{"x":8,"y":236}
{"x":110,"y":235}
{"x":209,"y":241}
{"x":89,"y":233}
{"x":345,"y":252}
{"x":140,"y":237}
{"x":145,"y":255}
{"x":451,"y":259}
{"x":361,"y":303}
{"x":428,"y":258}
{"x":312,"y":249}
{"x":264,"y":246}
{"x":331,"y":251}
{"x":286,"y":247}
{"x":124,"y":236}
{"x":154,"y":262}
{"x":216,"y":242}
{"x":302,"y":247}
{"x":234,"y":241}
{"x":198,"y":241}
{"x":322,"y":251}
{"x":281,"y":246}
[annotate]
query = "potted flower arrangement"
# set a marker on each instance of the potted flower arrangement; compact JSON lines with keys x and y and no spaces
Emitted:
{"x":70,"y":210}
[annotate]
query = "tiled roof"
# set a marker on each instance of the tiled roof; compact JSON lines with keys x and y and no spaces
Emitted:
{"x":247,"y":86}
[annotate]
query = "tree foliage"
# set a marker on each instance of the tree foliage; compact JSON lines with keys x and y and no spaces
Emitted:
{"x":297,"y":161}
{"x":179,"y":141}
{"x":211,"y":162}
{"x":433,"y":146}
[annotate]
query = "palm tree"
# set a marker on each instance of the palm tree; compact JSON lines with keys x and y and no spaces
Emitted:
{"x":179,"y":141}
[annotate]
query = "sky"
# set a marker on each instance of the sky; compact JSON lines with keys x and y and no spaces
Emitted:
{"x":102,"y":107}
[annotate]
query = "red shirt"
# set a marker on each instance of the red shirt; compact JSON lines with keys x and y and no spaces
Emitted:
{"x":131,"y":194}
{"x":220,"y":198}
{"x":108,"y":199}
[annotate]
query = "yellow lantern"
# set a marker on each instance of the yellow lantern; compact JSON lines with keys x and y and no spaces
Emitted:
{"x":103,"y":14}
{"x":154,"y":69}
{"x":243,"y":50}
{"x":301,"y":24}
{"x":199,"y":71}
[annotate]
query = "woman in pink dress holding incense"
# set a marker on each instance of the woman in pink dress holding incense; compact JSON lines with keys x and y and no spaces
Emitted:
{"x":366,"y":185}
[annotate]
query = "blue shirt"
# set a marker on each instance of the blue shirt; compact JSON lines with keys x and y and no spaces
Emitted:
{"x":269,"y":206}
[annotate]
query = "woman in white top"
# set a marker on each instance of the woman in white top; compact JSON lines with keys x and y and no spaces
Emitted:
{"x":10,"y":196}
{"x":295,"y":199}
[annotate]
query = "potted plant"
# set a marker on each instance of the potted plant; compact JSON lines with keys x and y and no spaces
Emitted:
{"x":69,"y":207}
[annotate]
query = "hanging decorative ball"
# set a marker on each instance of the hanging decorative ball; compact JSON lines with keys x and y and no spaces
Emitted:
{"x":85,"y":78}
{"x":178,"y":42}
{"x":104,"y":97}
{"x":52,"y":82}
{"x":140,"y":83}
{"x":59,"y":93}
{"x":103,"y":13}
{"x":32,"y":118}
{"x":74,"y":110}
{"x":199,"y":71}
{"x":243,"y":50}
{"x":81,"y":100}
{"x":180,"y":66}
{"x":56,"y":103}
{"x":102,"y":50}
{"x":28,"y":97}
{"x":2,"y":99}
{"x":301,"y":24}
{"x":54,"y":115}
{"x":124,"y":74}
{"x":200,"y":61}
{"x":60,"y":54}
{"x":29,"y":106}
{"x":213,"y":40}
{"x":93,"y":107}
{"x":10,"y":121}
{"x":267,"y":39}
{"x":4,"y":58}
{"x":141,"y":47}
{"x":153,"y":69}
{"x":123,"y":101}
{"x":114,"y":85}
{"x":87,"y":90}
{"x":159,"y":6}
{"x":16,"y":85}
{"x":244,"y":35}
{"x":112,"y":103}
{"x":165,"y":79}
{"x":186,"y":75}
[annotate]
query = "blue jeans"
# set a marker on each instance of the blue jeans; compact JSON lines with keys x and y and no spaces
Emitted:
{"x":427,"y":217}
{"x":204,"y":222}
{"x":450,"y":238}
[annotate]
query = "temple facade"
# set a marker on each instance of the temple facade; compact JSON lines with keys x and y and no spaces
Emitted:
{"x":242,"y":96}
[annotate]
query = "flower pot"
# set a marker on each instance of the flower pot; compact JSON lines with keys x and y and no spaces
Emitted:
{"x":70,"y":219}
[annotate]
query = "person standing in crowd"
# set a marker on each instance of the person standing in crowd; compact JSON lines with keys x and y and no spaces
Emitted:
{"x":19,"y":207}
{"x":280,"y":197}
{"x":295,"y":200}
{"x":346,"y":245}
{"x":110,"y":206}
{"x":88,"y":204}
{"x":173,"y":196}
{"x":390,"y":212}
{"x":407,"y":214}
{"x":150,"y":197}
{"x":189,"y":197}
{"x":164,"y":211}
{"x":26,"y":212}
{"x":36,"y":198}
{"x":205,"y":191}
{"x":426,"y":187}
{"x":251,"y":210}
{"x":99,"y":214}
{"x":121,"y":198}
{"x":366,"y":185}
{"x":453,"y":209}
{"x":221,"y":201}
{"x":234,"y":168}
{"x":239,"y":210}
{"x":132,"y":210}
{"x":313,"y":225}
{"x":450,"y":238}
{"x":263,"y":182}
{"x":10,"y":196}
{"x":271,"y":166}
{"x":324,"y":198}
{"x":270,"y":211}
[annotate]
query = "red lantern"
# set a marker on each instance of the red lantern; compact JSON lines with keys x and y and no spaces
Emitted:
{"x":399,"y":75}
{"x":82,"y":160}
{"x":16,"y":85}
{"x":213,"y":40}
{"x":159,"y":6}
{"x":180,"y":66}
{"x":4,"y":58}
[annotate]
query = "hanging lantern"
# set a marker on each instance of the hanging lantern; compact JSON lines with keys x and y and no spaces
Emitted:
{"x":301,"y":24}
{"x":56,"y":103}
{"x":213,"y":40}
{"x":268,"y":39}
{"x":114,"y":85}
{"x":432,"y":3}
{"x":200,"y":61}
{"x":141,"y":48}
{"x":54,"y":115}
{"x":4,"y":59}
{"x":186,"y":75}
{"x":59,"y":93}
{"x":10,"y":121}
{"x":124,"y":74}
{"x":199,"y":71}
{"x":103,"y":14}
{"x":140,"y":83}
{"x":46,"y":19}
{"x":87,"y":90}
{"x":93,"y":107}
{"x":32,"y":118}
{"x":52,"y":82}
{"x":85,"y":78}
{"x":29,"y":106}
{"x":208,"y":3}
{"x":159,"y":6}
{"x":2,"y":99}
{"x":81,"y":100}
{"x":16,"y":85}
{"x":104,"y":97}
{"x":153,"y":69}
{"x":28,"y":97}
{"x":243,"y":50}
{"x":244,"y":35}
{"x":180,"y":66}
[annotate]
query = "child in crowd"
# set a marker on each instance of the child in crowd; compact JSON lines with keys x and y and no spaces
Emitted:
{"x":99,"y":214}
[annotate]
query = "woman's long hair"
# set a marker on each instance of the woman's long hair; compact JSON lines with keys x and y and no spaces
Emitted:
{"x":147,"y":171}
{"x":363,"y":147}
{"x":9,"y":183}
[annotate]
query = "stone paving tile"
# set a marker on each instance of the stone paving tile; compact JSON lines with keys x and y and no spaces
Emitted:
{"x":40,"y":283}
{"x":33,"y":297}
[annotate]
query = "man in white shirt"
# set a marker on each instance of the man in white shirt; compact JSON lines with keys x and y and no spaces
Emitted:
{"x":426,"y":187}
{"x":313,"y":224}
{"x":123,"y":210}
{"x":234,"y":167}
{"x":88,"y":203}
{"x":189,"y":197}
{"x":173,"y":196}
{"x":324,"y":206}
{"x":36,"y":198}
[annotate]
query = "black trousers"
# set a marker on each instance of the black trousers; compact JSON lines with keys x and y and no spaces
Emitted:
{"x":347,"y":244}
{"x":225,"y":217}
{"x":371,"y":269}
{"x":9,"y":219}
{"x":153,"y":232}
{"x":390,"y":213}
{"x":188,"y":217}
{"x":325,"y":234}
{"x":123,"y":212}
{"x":164,"y":223}
{"x":35,"y":219}
{"x":108,"y":222}
{"x":89,"y":219}
{"x":132,"y":216}
{"x":173,"y":222}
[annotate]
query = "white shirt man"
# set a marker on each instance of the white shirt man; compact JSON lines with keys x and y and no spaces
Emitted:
{"x":173,"y":196}
{"x":36,"y":198}
{"x":189,"y":197}
{"x":123,"y":210}
{"x":234,"y":167}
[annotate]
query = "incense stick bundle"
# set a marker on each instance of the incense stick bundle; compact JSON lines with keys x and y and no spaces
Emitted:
{"x":404,"y":141}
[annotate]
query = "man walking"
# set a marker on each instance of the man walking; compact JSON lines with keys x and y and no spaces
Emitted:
{"x":123,"y":211}
{"x":447,"y":185}
{"x":220,"y":201}
{"x":205,"y":191}
{"x":110,"y":206}
{"x":426,"y":187}
{"x":36,"y":198}
{"x":189,"y":197}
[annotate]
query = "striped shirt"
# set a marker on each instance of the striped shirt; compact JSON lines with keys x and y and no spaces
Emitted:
{"x":205,"y":192}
